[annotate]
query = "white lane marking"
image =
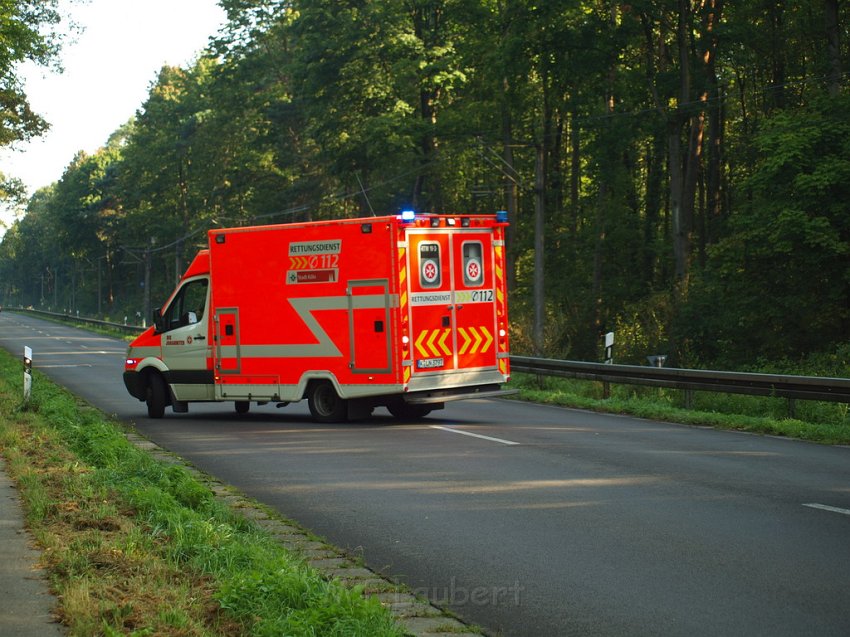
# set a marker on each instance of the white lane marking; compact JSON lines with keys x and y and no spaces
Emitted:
{"x":86,"y":353}
{"x":55,"y":366}
{"x":468,"y":433}
{"x":826,"y":507}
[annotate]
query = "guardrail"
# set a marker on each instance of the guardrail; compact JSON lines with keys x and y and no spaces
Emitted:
{"x":128,"y":329}
{"x":774,"y":385}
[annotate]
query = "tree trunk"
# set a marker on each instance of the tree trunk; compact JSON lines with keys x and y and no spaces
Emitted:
{"x":427,"y":25}
{"x":575,"y":177}
{"x":833,"y":46}
{"x":776,"y":99}
{"x":713,"y":96}
{"x":654,"y":186}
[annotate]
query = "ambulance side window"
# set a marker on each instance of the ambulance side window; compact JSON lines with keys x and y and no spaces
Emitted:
{"x":429,"y":265}
{"x":188,"y":306}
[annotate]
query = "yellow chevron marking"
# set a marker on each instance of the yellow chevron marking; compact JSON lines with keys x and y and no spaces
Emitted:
{"x":432,"y":346}
{"x":299,"y":263}
{"x":406,"y":374}
{"x":402,"y":301}
{"x":488,"y":339}
{"x":478,"y":338}
{"x":467,"y":339}
{"x":442,"y":342}
{"x":419,"y":347}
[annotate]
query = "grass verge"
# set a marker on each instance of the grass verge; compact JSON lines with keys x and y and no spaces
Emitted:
{"x":825,"y":423}
{"x":136,"y":547}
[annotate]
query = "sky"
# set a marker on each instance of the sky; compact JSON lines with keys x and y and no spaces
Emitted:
{"x":108,"y":70}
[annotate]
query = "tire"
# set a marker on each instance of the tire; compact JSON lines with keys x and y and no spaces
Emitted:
{"x":157,"y":396}
{"x":242,"y":407}
{"x":325,"y":403}
{"x":405,"y":411}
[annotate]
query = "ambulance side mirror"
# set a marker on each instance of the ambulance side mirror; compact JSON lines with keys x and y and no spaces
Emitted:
{"x":157,"y":320}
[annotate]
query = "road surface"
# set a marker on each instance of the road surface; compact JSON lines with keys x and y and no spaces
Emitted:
{"x":527,"y":519}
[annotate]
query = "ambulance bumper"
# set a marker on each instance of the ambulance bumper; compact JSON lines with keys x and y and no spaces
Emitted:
{"x":135,"y":384}
{"x":457,"y":393}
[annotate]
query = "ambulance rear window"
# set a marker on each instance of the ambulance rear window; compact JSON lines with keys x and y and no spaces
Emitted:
{"x":429,"y":265}
{"x":473,"y":264}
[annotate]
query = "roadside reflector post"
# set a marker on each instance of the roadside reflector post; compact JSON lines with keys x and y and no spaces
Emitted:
{"x":609,"y":348}
{"x":609,"y":360}
{"x":27,"y":374}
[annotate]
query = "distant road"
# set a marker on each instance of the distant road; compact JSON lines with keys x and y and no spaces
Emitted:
{"x":526,"y":519}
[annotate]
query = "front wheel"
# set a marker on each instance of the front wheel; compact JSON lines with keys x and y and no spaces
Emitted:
{"x":157,"y":396}
{"x":325,"y":403}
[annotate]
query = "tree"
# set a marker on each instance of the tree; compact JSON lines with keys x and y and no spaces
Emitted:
{"x":26,"y":33}
{"x":780,"y":282}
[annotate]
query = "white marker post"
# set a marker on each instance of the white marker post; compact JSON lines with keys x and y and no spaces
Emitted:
{"x":609,"y":348}
{"x":609,"y":360}
{"x":27,"y":374}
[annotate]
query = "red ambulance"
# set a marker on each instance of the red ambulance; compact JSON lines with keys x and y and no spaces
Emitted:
{"x":406,"y":312}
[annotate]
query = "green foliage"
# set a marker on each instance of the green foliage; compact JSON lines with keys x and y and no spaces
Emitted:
{"x":26,"y":33}
{"x":779,"y":284}
{"x":826,"y":423}
{"x":694,"y":161}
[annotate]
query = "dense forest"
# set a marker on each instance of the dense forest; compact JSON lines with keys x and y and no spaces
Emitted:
{"x":690,"y":160}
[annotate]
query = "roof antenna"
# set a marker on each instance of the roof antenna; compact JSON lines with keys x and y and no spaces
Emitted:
{"x":365,"y":196}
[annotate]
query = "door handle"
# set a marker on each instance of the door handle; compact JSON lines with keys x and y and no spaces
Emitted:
{"x":200,"y":338}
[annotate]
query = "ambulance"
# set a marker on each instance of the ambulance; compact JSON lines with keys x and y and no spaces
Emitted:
{"x":407,"y":312}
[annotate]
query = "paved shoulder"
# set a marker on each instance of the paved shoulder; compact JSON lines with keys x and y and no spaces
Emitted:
{"x":27,"y":606}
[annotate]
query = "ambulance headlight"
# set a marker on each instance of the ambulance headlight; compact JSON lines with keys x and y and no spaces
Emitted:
{"x":408,"y":215}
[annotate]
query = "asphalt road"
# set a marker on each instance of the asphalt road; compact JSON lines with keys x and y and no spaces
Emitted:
{"x":529,"y":520}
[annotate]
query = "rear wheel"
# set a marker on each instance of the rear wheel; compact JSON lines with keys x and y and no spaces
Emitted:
{"x":157,"y":396}
{"x":325,"y":403}
{"x":242,"y":406}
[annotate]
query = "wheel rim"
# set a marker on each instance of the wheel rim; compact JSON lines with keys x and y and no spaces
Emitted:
{"x":325,"y":400}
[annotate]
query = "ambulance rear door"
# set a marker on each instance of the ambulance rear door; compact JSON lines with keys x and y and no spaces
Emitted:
{"x":452,"y":299}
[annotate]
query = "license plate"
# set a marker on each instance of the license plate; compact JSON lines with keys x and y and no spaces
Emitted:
{"x":429,"y":363}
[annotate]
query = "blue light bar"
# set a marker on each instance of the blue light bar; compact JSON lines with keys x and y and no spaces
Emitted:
{"x":408,"y":215}
{"x":502,"y":216}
